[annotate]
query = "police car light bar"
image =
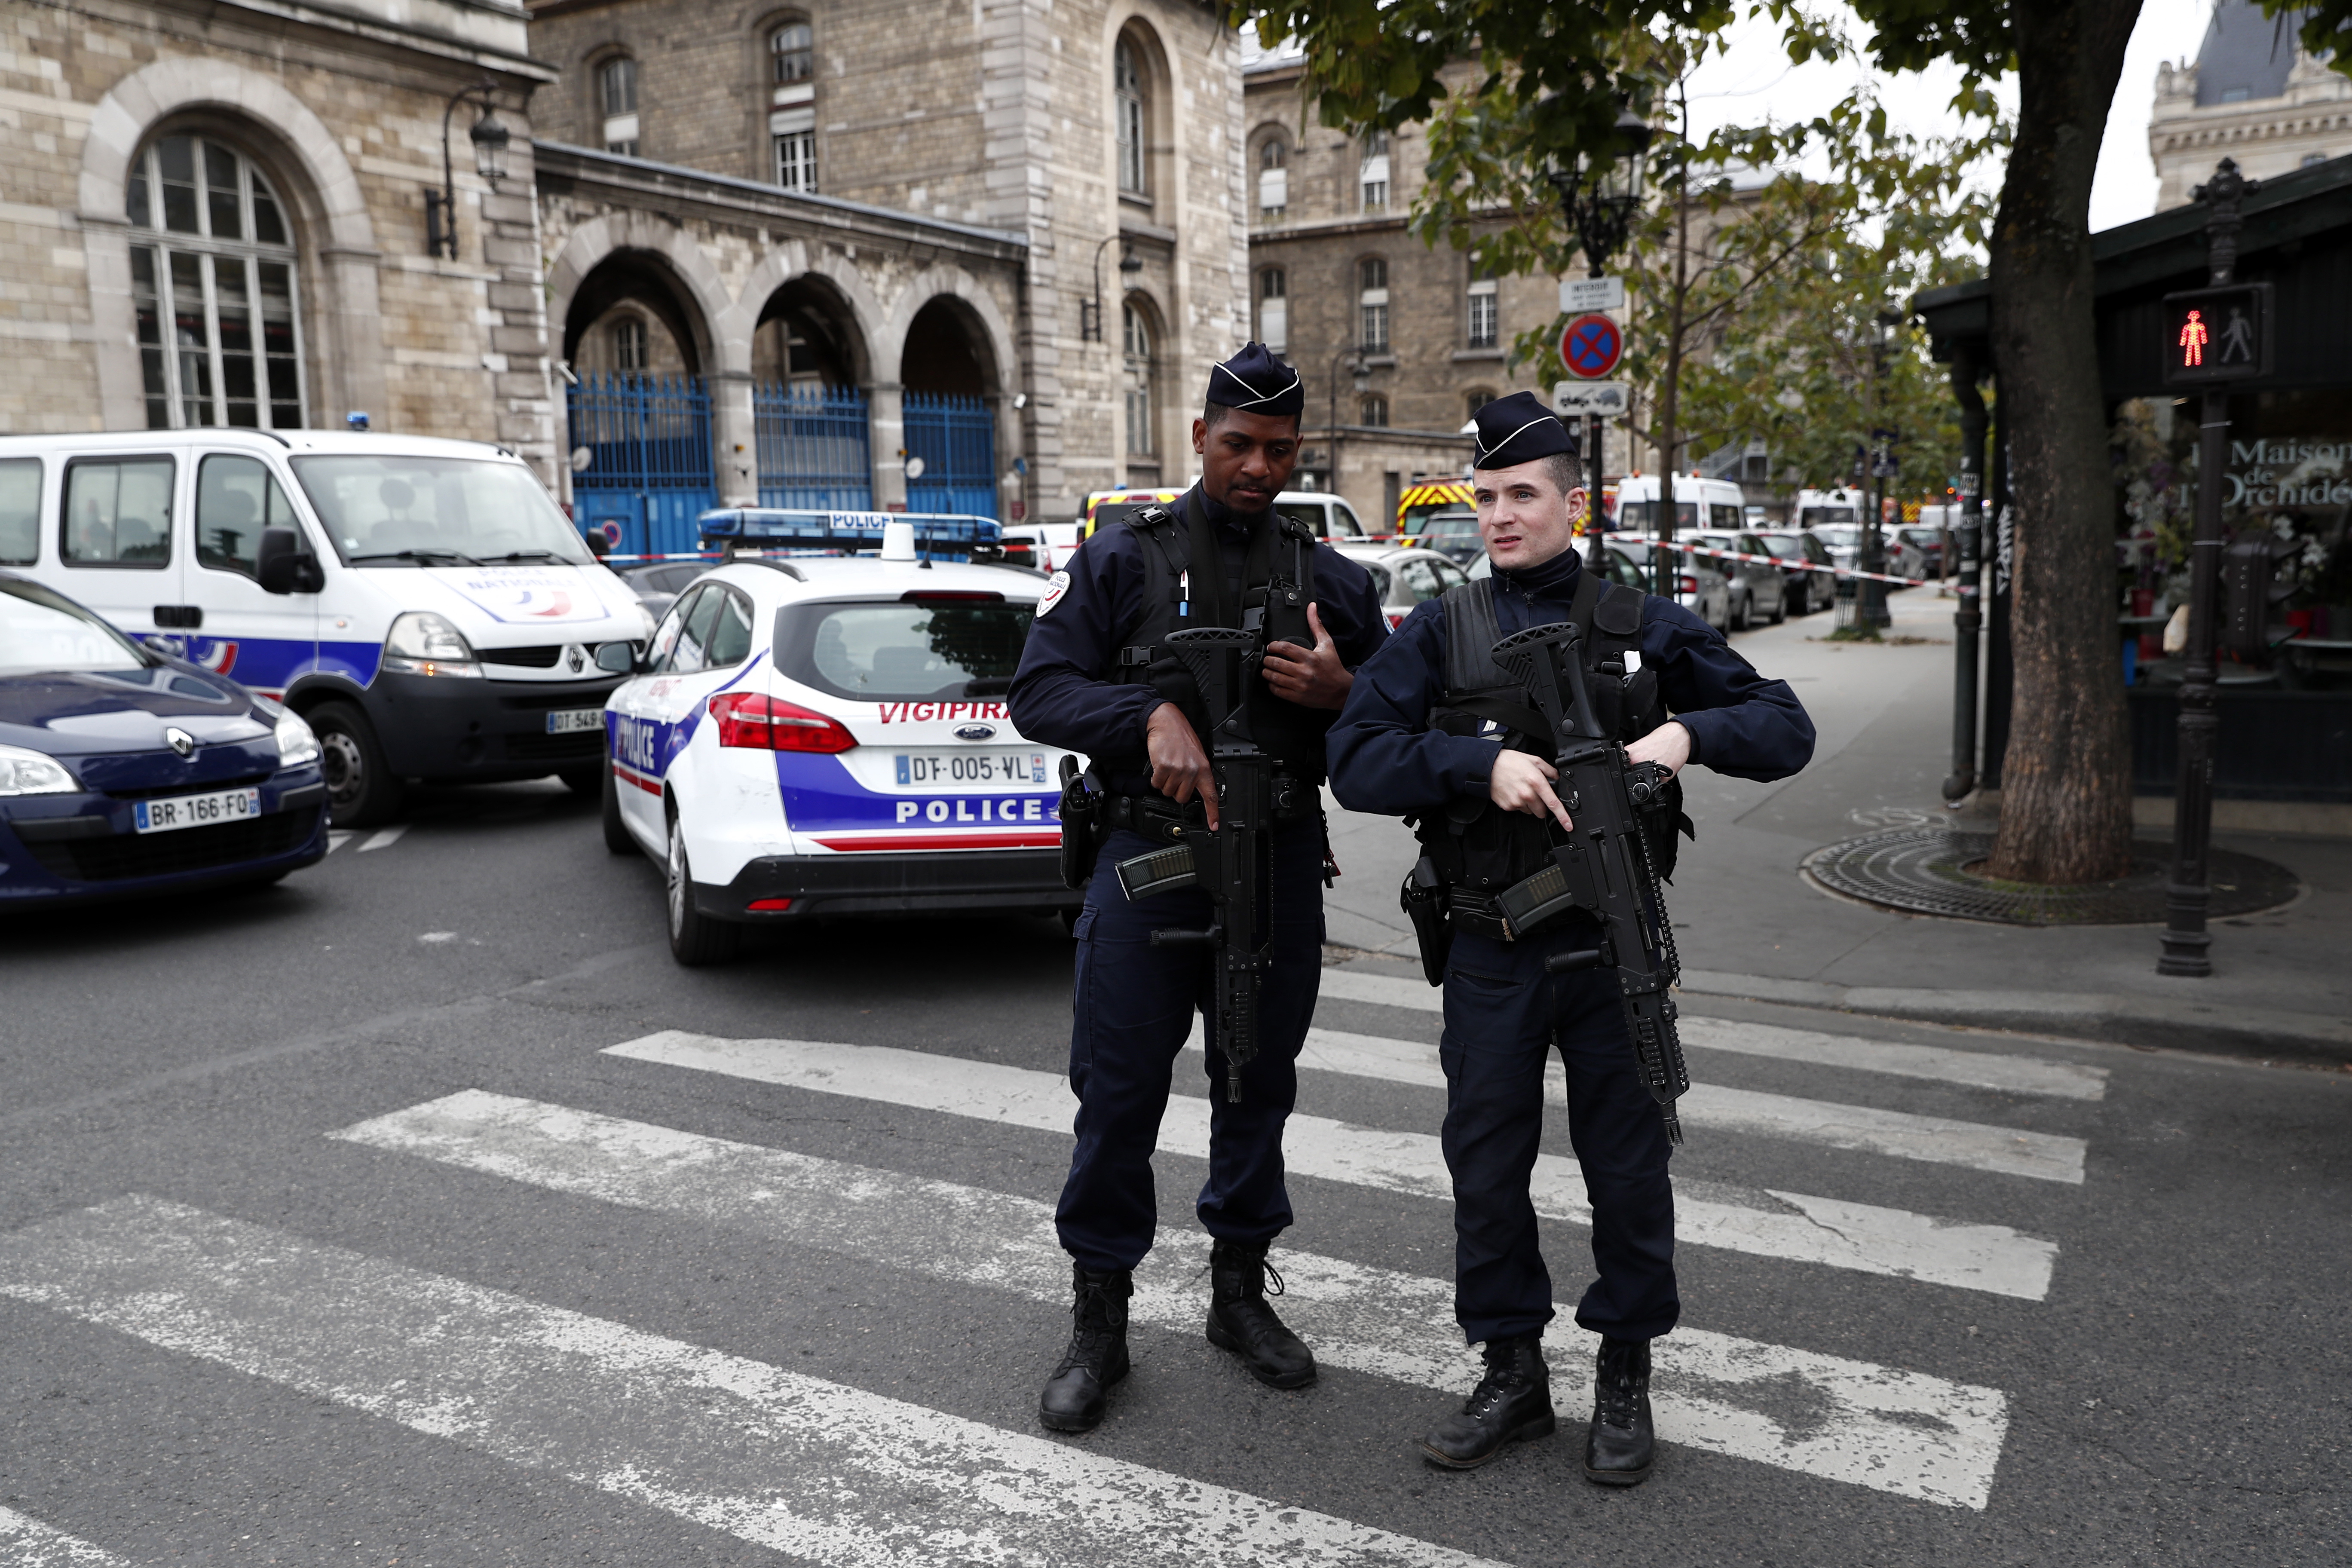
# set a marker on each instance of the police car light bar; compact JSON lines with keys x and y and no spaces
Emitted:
{"x":948,"y":536}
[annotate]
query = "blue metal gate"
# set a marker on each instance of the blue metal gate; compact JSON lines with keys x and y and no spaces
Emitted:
{"x":649,"y":466}
{"x":956,"y":438}
{"x":814,"y":454}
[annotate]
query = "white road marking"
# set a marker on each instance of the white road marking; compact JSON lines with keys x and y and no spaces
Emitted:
{"x":26,"y":1542}
{"x":811,"y":1469}
{"x":384,"y":837}
{"x":1893,"y":1431}
{"x":1977,"y":1069}
{"x":1708,"y":1107}
{"x":339,"y":836}
{"x":437,"y":937}
{"x":1768,"y":1224}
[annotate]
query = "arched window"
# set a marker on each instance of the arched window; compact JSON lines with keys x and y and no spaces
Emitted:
{"x":1375,"y":410}
{"x":1273,"y":177}
{"x":1127,"y":108}
{"x":629,"y":344}
{"x":1373,"y":305}
{"x":1136,"y":336}
{"x":212,"y":282}
{"x":1273,"y":308}
{"x":617,"y":93}
{"x":1484,"y":320}
{"x":1372,"y":174}
{"x":791,"y":52}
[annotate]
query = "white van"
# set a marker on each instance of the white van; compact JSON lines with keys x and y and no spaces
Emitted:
{"x":423,"y":603}
{"x":1830,"y":509}
{"x":1698,"y":503}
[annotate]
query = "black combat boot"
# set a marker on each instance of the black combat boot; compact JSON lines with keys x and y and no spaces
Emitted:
{"x":1077,"y":1394}
{"x":1241,"y":1322}
{"x":1511,"y":1403}
{"x":1622,"y":1447}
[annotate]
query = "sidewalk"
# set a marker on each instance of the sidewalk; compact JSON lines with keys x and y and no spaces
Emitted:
{"x":1748,"y":926}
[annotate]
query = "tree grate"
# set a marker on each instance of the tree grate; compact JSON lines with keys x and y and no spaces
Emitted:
{"x":1927,"y":871}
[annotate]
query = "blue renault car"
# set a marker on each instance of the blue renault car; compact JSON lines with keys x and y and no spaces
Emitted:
{"x":125,"y":771}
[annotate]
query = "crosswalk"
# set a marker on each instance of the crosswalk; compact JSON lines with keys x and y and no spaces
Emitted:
{"x":836,"y":1474}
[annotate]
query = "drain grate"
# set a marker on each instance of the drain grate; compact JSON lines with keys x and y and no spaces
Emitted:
{"x":1922,"y":870}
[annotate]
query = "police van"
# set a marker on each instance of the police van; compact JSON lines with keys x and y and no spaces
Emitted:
{"x":817,"y":735}
{"x":424,"y":603}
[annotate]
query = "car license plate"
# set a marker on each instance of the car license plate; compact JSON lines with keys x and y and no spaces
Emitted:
{"x":572,"y":721}
{"x":1006,"y":770}
{"x":197,"y":810}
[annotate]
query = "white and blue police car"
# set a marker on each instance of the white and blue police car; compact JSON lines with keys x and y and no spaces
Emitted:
{"x":423,"y":604}
{"x":825,"y":735}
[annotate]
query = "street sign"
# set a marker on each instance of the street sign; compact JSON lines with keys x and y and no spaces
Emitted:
{"x":1885,"y":466}
{"x":1570,"y":398}
{"x":2216,"y":334}
{"x":1590,"y":347}
{"x":1577,"y":294}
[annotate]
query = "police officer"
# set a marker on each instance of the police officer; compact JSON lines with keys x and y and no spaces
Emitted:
{"x":1096,"y":677}
{"x":1410,"y":742}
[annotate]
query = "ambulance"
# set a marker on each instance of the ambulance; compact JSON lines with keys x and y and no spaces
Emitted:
{"x":810,"y":736}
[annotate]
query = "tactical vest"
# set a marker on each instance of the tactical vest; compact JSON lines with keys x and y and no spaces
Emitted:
{"x":1277,"y":582}
{"x":1478,"y":848}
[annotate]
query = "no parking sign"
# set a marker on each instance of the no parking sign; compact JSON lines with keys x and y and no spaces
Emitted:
{"x":1591,"y":346}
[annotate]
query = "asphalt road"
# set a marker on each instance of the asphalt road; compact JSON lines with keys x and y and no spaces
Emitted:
{"x":331,"y":1230}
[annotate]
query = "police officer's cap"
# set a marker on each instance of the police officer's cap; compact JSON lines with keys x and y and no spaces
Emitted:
{"x":1255,"y":382}
{"x":1518,"y":429}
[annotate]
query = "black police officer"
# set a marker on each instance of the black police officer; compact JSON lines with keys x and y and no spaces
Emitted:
{"x":1096,"y":678}
{"x":1482,"y":793}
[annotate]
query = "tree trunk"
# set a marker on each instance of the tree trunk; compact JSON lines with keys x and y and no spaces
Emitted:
{"x":2066,"y":781}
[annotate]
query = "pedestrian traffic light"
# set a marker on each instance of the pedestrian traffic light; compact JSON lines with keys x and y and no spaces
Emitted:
{"x":2216,"y":334}
{"x":2254,"y":587}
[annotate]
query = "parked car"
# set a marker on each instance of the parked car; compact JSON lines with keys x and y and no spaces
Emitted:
{"x":1045,"y":546}
{"x":421,"y":603}
{"x":1838,"y":508}
{"x":1698,"y":503}
{"x":657,"y":584}
{"x":1844,"y":545}
{"x":827,"y":735}
{"x":1929,"y":544}
{"x":1425,"y":499}
{"x":1756,"y":587}
{"x":1402,"y":577}
{"x":1328,"y":515}
{"x":1452,"y":534}
{"x":1698,"y":588}
{"x":1807,"y":590}
{"x":124,"y":771}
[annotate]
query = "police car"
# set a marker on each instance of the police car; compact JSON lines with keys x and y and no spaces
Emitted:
{"x":820,"y":735}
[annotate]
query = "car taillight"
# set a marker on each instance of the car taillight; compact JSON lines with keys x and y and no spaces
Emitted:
{"x":764,"y":724}
{"x":1687,"y":584}
{"x":1396,"y":618}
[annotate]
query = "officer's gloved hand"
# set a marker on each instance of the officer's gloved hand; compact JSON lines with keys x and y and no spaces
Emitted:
{"x":1180,"y":763}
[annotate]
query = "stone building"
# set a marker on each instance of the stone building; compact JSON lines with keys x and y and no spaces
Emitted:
{"x":1018,"y":216}
{"x":214,"y":214}
{"x":2252,"y":95}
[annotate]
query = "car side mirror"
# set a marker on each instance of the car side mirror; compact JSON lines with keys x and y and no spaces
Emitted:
{"x":283,"y":566}
{"x":616,"y":659}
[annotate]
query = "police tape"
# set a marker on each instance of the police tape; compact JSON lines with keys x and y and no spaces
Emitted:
{"x":1796,"y":565}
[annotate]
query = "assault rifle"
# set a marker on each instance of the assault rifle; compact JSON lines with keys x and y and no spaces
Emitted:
{"x":1231,"y":863}
{"x":1605,"y":866}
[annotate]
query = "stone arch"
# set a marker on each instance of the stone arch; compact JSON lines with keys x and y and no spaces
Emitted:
{"x":704,"y":313}
{"x":827,"y":276}
{"x":330,"y":212}
{"x":971,"y":305}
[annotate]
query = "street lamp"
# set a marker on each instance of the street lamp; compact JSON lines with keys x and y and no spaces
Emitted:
{"x":1869,"y":594}
{"x":490,"y":138}
{"x":1090,"y":312}
{"x":1361,"y":373}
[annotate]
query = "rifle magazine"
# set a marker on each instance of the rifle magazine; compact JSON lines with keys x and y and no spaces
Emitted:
{"x":1158,"y":871}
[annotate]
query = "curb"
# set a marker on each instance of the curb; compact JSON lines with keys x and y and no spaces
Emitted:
{"x":2174,"y":1024}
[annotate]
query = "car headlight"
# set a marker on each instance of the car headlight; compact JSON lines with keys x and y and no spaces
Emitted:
{"x":296,"y":742}
{"x":24,"y":772}
{"x":421,"y":643}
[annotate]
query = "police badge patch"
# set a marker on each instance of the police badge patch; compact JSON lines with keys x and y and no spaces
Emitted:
{"x":1055,"y":586}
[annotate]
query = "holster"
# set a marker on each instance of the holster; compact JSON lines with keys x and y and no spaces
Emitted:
{"x":1423,"y":899}
{"x":1081,"y":813}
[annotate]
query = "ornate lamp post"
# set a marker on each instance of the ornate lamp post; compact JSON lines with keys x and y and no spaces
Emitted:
{"x":491,"y":139}
{"x":1600,"y":196}
{"x":1090,"y":312}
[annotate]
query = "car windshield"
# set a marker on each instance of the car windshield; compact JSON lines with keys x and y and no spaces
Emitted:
{"x":400,"y":510}
{"x":43,"y":631}
{"x":895,"y":651}
{"x":1785,"y":545}
{"x":1819,"y":517}
{"x":1839,"y":538}
{"x":1451,"y":525}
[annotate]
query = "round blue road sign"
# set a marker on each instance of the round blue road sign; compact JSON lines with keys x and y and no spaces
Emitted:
{"x":1590,"y":347}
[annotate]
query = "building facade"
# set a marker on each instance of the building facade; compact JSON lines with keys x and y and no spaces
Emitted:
{"x":738,"y":254}
{"x":2252,"y":96}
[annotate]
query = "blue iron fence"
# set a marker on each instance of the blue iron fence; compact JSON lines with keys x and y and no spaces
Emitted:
{"x":813,"y":447}
{"x":649,"y":467}
{"x":956,"y":438}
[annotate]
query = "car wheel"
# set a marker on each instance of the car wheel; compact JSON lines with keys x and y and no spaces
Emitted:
{"x":695,"y":938}
{"x":1779,"y":609}
{"x":361,"y":789}
{"x":1744,"y":613}
{"x":617,"y":838}
{"x":582,"y":780}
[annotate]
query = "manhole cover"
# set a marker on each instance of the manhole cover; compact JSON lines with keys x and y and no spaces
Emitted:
{"x":1921,"y":870}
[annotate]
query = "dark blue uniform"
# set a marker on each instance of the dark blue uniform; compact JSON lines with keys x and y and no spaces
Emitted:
{"x":1134,"y":1004}
{"x":1503,"y":1012}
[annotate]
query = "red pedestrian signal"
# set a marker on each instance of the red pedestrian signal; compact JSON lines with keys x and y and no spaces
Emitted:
{"x":2217,"y":334}
{"x":2192,"y":340}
